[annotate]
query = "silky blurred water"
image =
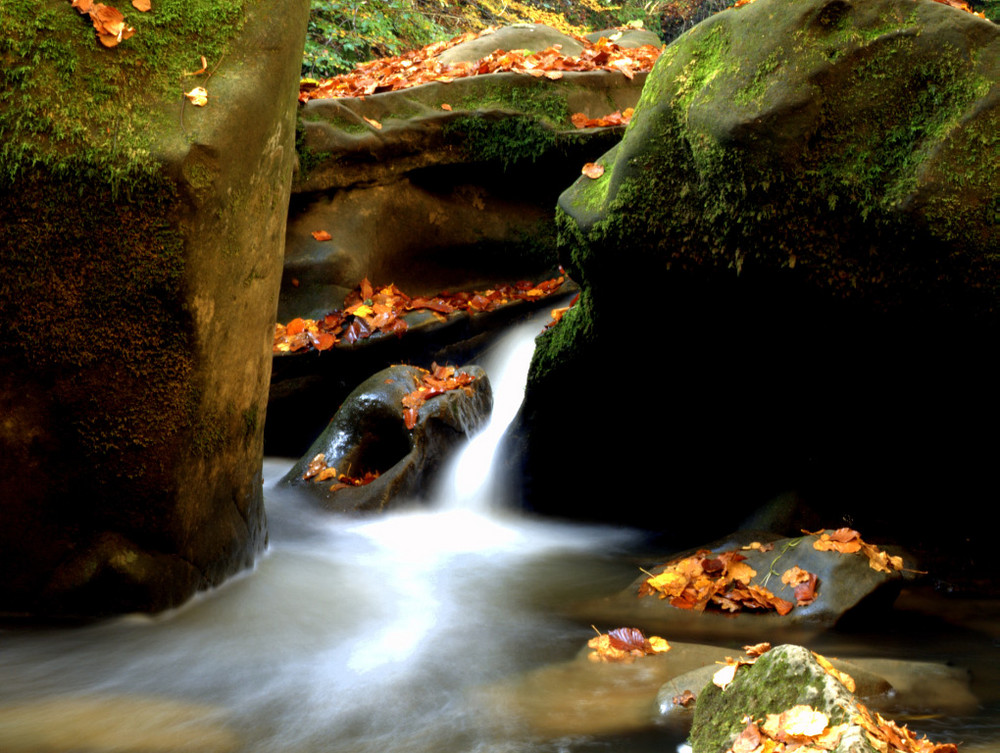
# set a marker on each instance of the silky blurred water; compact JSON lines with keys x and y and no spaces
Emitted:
{"x":356,"y":635}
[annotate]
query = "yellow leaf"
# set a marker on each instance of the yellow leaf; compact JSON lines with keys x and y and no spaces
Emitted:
{"x":724,"y":676}
{"x":198,"y":96}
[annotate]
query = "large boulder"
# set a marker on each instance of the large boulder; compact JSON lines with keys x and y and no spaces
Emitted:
{"x":141,"y":260}
{"x":789,"y":278}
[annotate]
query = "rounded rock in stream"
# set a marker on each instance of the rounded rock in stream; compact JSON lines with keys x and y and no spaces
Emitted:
{"x":368,"y":436}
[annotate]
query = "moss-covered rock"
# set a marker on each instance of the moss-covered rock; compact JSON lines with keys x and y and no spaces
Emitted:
{"x":140,"y":262}
{"x":784,"y":677}
{"x":794,"y":249}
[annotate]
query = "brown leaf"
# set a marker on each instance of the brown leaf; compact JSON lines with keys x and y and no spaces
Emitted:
{"x":321,"y":235}
{"x":593,"y":170}
{"x":142,"y":5}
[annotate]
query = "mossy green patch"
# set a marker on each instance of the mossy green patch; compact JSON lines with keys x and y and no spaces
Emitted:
{"x":505,"y":140}
{"x":535,"y":98}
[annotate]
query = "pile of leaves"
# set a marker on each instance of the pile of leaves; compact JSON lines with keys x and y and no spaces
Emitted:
{"x":319,"y":471}
{"x":437,"y":381}
{"x":888,"y":737}
{"x":624,"y":645}
{"x":801,"y":728}
{"x":704,"y":579}
{"x":367,"y":312}
{"x":423,"y":66}
{"x":849,"y":541}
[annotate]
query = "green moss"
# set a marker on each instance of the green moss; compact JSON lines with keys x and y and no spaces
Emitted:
{"x":508,"y":140}
{"x":707,"y":59}
{"x":535,"y":98}
{"x":763,"y":77}
{"x":68,"y":102}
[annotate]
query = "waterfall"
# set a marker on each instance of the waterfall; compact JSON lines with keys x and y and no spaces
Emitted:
{"x":468,"y":481}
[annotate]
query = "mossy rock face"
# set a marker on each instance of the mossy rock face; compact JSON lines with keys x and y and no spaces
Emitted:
{"x":790,"y":275}
{"x":140,"y":264}
{"x":845,"y":145}
{"x":784,"y":677}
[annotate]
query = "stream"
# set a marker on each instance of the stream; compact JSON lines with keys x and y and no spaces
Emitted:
{"x":379,"y":635}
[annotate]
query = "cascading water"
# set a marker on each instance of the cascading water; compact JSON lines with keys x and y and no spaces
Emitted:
{"x":349,"y":635}
{"x":386,"y":635}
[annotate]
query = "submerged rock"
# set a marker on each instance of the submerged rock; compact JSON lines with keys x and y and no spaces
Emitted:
{"x":368,"y":435}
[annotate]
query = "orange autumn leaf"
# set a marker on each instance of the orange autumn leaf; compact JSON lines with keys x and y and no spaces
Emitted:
{"x":849,"y":541}
{"x":593,"y":170}
{"x":845,"y":679}
{"x":446,"y":106}
{"x":142,"y":5}
{"x":373,"y":123}
{"x":684,"y":699}
{"x":885,"y":735}
{"x":321,"y":235}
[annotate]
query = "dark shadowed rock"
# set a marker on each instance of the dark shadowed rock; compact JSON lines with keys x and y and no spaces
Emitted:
{"x":367,"y":434}
{"x":799,"y":231}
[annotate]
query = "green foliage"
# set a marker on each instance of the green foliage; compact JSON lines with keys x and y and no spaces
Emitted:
{"x":343,"y":33}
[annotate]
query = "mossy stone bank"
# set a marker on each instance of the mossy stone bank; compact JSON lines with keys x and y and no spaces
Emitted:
{"x":140,"y":261}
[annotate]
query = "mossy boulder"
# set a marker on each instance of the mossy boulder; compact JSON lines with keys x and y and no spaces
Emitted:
{"x":140,"y":262}
{"x":368,"y":435}
{"x":784,"y":677}
{"x":790,"y":276}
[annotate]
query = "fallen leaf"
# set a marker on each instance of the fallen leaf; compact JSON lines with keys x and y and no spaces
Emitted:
{"x":624,"y":644}
{"x":321,"y":235}
{"x":446,"y":106}
{"x":593,"y":170}
{"x":198,"y":96}
{"x":798,"y":721}
{"x":373,"y":123}
{"x":723,"y":678}
{"x":685,"y":699}
{"x":142,"y":5}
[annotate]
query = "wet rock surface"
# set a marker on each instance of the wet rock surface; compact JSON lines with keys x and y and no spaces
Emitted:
{"x":368,"y":434}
